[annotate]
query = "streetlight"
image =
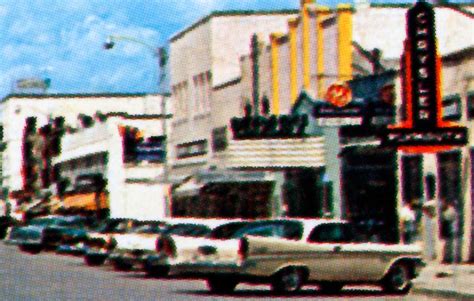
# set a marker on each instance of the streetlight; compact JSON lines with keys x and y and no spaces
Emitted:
{"x":158,"y":52}
{"x":161,"y":54}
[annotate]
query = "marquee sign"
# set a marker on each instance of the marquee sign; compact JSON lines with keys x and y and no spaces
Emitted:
{"x":423,"y":129}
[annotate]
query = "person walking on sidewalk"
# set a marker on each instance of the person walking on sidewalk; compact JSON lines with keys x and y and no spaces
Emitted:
{"x":407,"y":219}
{"x":448,"y":217}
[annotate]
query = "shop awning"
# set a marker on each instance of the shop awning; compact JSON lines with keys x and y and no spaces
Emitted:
{"x":192,"y":185}
{"x":85,"y":201}
{"x":189,"y":188}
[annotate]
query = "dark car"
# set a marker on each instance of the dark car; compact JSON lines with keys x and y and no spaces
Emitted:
{"x":46,"y":232}
{"x":5,"y":223}
{"x":77,"y":242}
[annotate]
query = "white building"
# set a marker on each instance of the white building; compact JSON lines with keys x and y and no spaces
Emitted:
{"x":203,"y":57}
{"x":134,"y":188}
{"x":16,"y":109}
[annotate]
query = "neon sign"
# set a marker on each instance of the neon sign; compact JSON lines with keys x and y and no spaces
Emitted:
{"x":423,"y":129}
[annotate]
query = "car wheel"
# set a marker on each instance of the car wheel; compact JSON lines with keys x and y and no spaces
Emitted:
{"x":30,"y":249}
{"x":222,"y":284}
{"x":288,"y":280}
{"x":94,"y":260}
{"x":331,"y":287}
{"x":397,"y":280}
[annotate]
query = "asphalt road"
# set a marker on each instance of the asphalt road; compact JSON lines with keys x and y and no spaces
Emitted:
{"x":49,"y":276}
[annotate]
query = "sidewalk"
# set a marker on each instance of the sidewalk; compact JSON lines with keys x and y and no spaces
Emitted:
{"x":450,"y":281}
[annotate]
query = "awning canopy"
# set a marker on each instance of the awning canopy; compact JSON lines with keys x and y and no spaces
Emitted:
{"x":193,"y":184}
{"x":85,"y":201}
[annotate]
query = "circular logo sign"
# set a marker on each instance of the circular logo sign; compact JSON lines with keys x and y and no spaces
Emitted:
{"x":339,"y":94}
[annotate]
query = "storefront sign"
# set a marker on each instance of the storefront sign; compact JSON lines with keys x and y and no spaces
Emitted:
{"x":151,"y":151}
{"x":339,"y":95}
{"x":339,"y":121}
{"x":233,"y":176}
{"x":423,"y":130}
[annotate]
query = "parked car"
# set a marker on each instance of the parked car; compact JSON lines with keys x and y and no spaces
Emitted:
{"x":322,"y":252}
{"x":98,"y":244}
{"x":129,"y":247}
{"x":132,"y":249}
{"x":77,"y":244}
{"x":7,"y":222}
{"x":44,"y":232}
{"x":173,"y":250}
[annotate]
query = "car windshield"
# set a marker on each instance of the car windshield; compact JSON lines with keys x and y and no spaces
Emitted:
{"x":188,"y":230}
{"x":44,"y":221}
{"x":75,"y":222}
{"x":227,"y":231}
{"x":113,"y":225}
{"x":150,"y":228}
{"x":64,"y":221}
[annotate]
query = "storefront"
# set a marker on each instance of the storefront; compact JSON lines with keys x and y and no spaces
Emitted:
{"x":224,"y":194}
{"x":359,"y":180}
{"x":369,"y":187}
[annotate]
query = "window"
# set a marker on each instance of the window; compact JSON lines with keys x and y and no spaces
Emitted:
{"x":219,"y":139}
{"x":470,"y":105}
{"x":180,"y":93}
{"x":452,"y":108}
{"x":284,"y":229}
{"x":202,"y":92}
{"x":191,"y":149}
{"x":332,"y":233}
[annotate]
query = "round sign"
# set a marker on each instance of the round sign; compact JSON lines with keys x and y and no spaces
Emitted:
{"x":339,"y":94}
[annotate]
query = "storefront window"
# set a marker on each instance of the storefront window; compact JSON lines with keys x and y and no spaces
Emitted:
{"x":227,"y":200}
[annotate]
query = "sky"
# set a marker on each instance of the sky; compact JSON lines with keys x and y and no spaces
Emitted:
{"x":63,"y":40}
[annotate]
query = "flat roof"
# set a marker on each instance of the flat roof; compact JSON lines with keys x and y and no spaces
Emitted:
{"x":79,"y":95}
{"x":230,"y":13}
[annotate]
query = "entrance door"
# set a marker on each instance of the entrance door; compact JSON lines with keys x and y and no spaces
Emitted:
{"x":369,"y":186}
{"x":450,"y":189}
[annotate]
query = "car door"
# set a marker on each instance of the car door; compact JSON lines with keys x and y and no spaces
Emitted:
{"x":331,"y":254}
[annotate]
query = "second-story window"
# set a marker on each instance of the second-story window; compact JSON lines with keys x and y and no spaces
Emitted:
{"x":191,"y":149}
{"x":180,"y":93}
{"x":202,"y":92}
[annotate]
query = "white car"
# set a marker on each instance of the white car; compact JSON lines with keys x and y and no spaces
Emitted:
{"x":176,"y":252}
{"x":324,"y":252}
{"x":132,"y":249}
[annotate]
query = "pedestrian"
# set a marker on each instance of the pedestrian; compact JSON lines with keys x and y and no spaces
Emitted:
{"x":407,"y":219}
{"x":448,"y":217}
{"x":429,"y":213}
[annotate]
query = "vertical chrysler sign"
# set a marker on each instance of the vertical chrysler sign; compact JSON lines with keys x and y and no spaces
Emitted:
{"x":423,"y":129}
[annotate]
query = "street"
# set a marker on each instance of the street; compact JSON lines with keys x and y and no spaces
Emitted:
{"x":49,"y":276}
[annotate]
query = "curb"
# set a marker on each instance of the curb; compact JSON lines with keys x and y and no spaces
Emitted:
{"x":444,"y":293}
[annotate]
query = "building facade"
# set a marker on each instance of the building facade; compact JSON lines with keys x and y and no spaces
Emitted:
{"x":124,"y":152}
{"x":319,"y":48}
{"x":29,"y":121}
{"x":204,"y":58}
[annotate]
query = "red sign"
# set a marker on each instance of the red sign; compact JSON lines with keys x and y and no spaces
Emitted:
{"x":339,"y":94}
{"x":423,"y":129}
